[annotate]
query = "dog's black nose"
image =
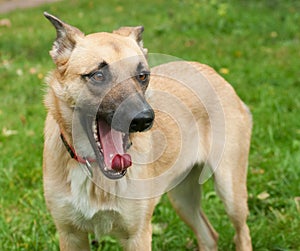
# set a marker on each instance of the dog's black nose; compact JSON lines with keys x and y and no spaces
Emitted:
{"x":142,"y":121}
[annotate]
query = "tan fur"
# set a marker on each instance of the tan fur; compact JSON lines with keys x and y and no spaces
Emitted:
{"x":180,"y":139}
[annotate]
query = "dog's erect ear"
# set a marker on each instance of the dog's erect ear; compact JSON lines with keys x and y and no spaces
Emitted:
{"x":133,"y":32}
{"x":66,"y":39}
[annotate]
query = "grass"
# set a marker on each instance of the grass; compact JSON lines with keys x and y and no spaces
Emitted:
{"x":254,"y":44}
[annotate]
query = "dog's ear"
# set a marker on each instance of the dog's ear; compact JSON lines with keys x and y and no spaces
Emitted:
{"x":134,"y":33}
{"x":66,"y":39}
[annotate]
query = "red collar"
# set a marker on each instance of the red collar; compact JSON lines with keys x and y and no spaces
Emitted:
{"x":71,"y":151}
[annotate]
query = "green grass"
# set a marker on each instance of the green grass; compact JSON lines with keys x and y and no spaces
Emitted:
{"x":256,"y":46}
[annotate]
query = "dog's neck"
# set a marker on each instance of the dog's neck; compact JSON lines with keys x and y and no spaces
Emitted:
{"x":73,"y":155}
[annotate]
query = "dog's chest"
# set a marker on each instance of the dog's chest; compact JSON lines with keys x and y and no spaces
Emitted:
{"x":84,"y":198}
{"x":93,"y":212}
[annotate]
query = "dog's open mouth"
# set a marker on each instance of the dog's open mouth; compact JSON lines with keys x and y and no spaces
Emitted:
{"x":111,"y":149}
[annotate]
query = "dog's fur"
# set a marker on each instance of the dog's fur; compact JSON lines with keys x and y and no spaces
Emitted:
{"x":192,"y":119}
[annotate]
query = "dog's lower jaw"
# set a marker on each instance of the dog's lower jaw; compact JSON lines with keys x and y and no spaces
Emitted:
{"x":88,"y":124}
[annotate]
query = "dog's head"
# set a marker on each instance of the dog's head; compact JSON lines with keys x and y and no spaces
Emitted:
{"x":104,"y":77}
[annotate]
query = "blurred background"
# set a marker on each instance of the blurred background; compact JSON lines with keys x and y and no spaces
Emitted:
{"x":253,"y":44}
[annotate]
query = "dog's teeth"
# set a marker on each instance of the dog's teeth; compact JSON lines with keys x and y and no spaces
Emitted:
{"x":111,"y":155}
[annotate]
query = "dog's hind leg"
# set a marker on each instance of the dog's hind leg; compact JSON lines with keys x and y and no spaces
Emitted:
{"x":186,"y":198}
{"x":230,"y":183}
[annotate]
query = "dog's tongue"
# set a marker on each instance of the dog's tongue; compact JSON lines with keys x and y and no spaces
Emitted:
{"x":112,"y":146}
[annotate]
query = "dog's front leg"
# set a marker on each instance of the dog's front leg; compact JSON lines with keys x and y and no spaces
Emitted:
{"x":140,"y":241}
{"x":72,"y":239}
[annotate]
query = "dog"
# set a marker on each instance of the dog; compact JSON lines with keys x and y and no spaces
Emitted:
{"x":116,"y":139}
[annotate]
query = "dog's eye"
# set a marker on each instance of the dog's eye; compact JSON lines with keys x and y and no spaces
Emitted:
{"x":143,"y":77}
{"x":97,"y":76}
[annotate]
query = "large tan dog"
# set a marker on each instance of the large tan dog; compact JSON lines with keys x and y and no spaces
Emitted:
{"x":115,"y":142}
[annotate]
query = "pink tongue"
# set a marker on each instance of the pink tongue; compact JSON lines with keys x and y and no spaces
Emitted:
{"x":112,"y":146}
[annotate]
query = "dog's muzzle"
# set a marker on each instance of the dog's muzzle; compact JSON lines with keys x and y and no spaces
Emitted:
{"x":109,"y":132}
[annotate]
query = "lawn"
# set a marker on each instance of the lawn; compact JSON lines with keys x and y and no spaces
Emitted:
{"x":253,"y":44}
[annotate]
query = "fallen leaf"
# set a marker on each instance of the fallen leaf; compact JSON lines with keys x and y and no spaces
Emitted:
{"x":273,"y":34}
{"x":158,"y":228}
{"x":264,"y":195}
{"x":23,"y":119}
{"x":258,"y":171}
{"x":32,"y":70}
{"x":5,"y":22}
{"x":40,"y":76}
{"x":19,"y":72}
{"x":224,"y":71}
{"x":7,"y":132}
